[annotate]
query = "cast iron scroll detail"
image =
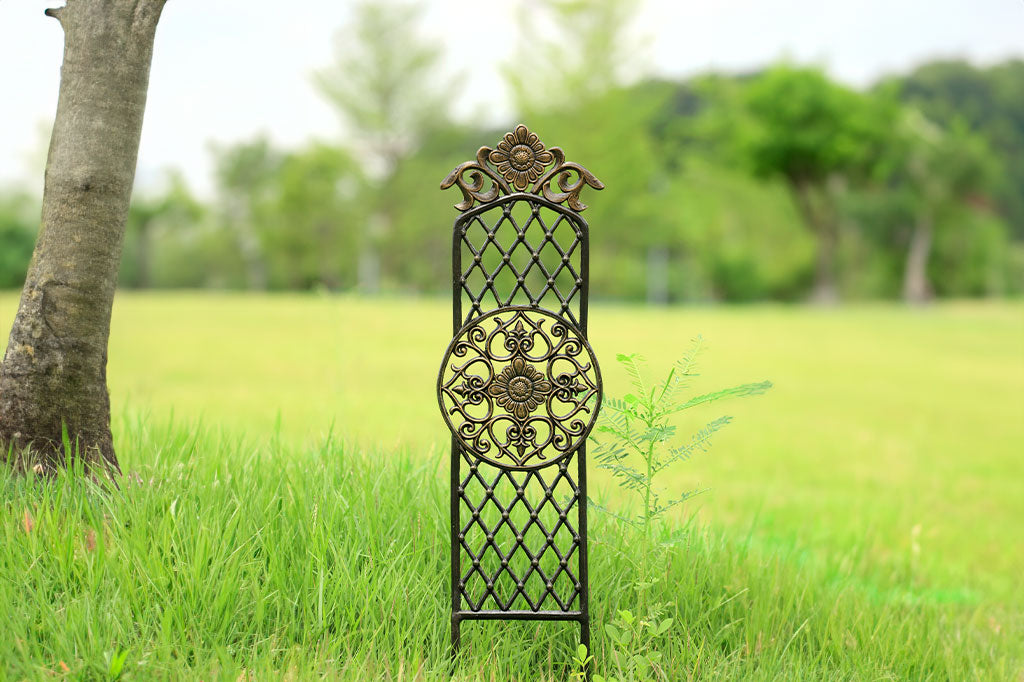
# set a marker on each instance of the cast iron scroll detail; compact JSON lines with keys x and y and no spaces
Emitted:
{"x":520,"y":160}
{"x":519,"y":387}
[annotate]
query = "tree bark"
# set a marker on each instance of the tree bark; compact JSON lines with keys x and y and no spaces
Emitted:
{"x":916,"y":288}
{"x":53,"y":376}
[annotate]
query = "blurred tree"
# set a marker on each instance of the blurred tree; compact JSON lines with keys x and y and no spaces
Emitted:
{"x":385,"y":86}
{"x":53,"y":383}
{"x":939,"y":170}
{"x":571,"y":52}
{"x":175,"y":205}
{"x":991,"y":102}
{"x":418,"y":257}
{"x":311,"y":219}
{"x":705,"y":116}
{"x":972,"y":255}
{"x":567,"y":80}
{"x":817,"y":135}
{"x":635,"y":218}
{"x":245,"y":175}
{"x":17,"y":237}
{"x":742,"y":237}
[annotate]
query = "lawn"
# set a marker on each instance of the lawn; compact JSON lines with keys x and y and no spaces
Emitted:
{"x":862,"y":518}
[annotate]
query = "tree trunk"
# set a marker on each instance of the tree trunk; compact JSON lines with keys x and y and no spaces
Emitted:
{"x":252,"y":252}
{"x":368,"y":269}
{"x":657,"y":275}
{"x":823,"y":225}
{"x":916,"y":288}
{"x":144,"y":254}
{"x":53,"y":376}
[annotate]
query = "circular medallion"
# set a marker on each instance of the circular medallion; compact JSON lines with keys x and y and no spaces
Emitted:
{"x":519,"y":388}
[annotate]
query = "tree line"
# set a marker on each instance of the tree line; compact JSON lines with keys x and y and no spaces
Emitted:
{"x":779,"y":184}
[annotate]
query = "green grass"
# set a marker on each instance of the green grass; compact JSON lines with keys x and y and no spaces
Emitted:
{"x":863,"y":518}
{"x":221,"y":559}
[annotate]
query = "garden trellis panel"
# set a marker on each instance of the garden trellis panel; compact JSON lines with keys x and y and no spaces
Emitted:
{"x":519,"y":386}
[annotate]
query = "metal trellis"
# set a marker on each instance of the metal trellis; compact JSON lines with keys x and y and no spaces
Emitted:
{"x":519,"y":386}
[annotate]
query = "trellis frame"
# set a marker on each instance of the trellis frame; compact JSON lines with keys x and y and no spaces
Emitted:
{"x":526,"y":488}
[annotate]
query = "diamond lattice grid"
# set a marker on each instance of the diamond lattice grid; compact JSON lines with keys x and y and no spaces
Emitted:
{"x":518,"y":536}
{"x":532,"y":260}
{"x":519,"y":542}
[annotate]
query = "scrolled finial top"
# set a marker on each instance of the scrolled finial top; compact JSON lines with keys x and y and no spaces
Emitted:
{"x":520,"y":163}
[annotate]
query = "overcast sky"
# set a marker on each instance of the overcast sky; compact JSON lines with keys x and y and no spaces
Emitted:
{"x":225,"y":70}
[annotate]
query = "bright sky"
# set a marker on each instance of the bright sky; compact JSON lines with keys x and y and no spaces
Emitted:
{"x":225,"y":70}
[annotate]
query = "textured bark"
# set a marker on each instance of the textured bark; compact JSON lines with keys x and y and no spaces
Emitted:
{"x":53,"y":376}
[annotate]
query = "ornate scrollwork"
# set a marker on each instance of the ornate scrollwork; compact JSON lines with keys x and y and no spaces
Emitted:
{"x":520,"y":160}
{"x":519,"y":387}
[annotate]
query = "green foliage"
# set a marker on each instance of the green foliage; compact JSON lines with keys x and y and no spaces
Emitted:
{"x":164,"y":218}
{"x":633,"y":645}
{"x":294,"y":218}
{"x":245,"y":176}
{"x":633,"y":653}
{"x":807,"y":127}
{"x":642,"y":443}
{"x":972,"y":255}
{"x":17,"y":238}
{"x":990,"y":100}
{"x":312,"y":219}
{"x":590,"y":53}
{"x":718,"y":187}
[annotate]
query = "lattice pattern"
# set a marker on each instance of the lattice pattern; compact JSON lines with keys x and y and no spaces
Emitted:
{"x":520,"y":545}
{"x":533,"y":259}
{"x":517,"y":531}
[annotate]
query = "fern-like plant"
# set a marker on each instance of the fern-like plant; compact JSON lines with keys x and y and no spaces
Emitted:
{"x":637,"y":441}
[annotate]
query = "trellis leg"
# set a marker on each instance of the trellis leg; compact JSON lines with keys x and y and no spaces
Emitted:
{"x":583,"y":565}
{"x":588,"y":670}
{"x":456,"y":473}
{"x":456,"y":549}
{"x":456,"y":638}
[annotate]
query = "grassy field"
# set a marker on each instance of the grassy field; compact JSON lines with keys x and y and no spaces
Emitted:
{"x":863,"y":519}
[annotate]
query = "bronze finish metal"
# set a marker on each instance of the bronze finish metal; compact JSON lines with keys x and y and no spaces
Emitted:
{"x":520,"y":159}
{"x":519,"y":386}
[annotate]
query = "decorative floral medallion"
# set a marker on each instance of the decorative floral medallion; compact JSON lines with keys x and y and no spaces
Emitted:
{"x":519,"y":387}
{"x":520,"y":163}
{"x":521,"y":157}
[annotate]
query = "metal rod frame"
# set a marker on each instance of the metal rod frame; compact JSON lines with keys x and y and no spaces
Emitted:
{"x":519,"y":500}
{"x":465,"y":469}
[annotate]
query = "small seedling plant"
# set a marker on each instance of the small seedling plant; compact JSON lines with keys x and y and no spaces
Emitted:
{"x":637,"y":441}
{"x":633,"y":644}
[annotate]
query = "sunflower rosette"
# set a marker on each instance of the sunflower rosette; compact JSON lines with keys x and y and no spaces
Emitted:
{"x":521,"y":157}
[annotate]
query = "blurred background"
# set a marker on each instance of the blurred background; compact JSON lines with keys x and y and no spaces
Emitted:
{"x":751,"y":152}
